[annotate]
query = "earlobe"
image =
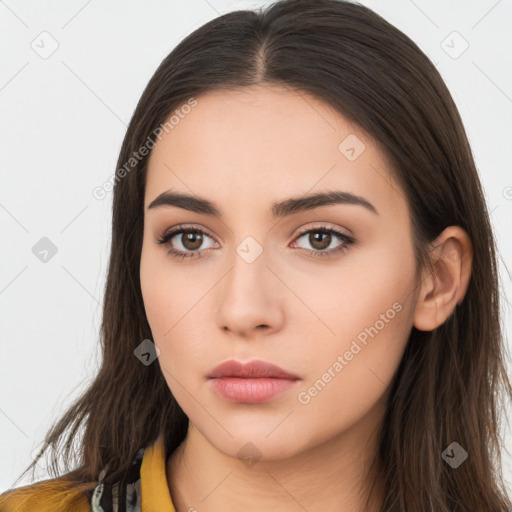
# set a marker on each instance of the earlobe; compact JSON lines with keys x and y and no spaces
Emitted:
{"x":444,"y":286}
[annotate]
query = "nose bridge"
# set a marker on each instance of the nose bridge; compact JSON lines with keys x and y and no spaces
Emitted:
{"x":248,"y":277}
{"x":249,"y":297}
{"x":250,"y":244}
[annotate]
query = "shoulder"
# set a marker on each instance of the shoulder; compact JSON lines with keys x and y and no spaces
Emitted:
{"x":55,"y":495}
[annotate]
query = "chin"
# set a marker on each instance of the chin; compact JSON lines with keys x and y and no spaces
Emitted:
{"x":260,"y":444}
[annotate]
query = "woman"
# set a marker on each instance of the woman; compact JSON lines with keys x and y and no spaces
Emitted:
{"x":302,"y":306}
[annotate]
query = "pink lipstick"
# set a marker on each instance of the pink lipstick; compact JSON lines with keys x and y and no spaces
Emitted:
{"x":252,"y":383}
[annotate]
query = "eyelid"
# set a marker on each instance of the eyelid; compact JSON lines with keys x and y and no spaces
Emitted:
{"x":324,"y":225}
{"x":346,"y":240}
{"x":186,"y":227}
{"x":189,"y":227}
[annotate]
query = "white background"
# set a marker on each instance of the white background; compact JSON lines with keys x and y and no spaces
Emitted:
{"x":63,"y":120}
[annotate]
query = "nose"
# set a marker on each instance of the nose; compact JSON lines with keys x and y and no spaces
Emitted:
{"x":250,"y":299}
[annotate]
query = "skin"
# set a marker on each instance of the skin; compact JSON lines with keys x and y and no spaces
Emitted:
{"x":244,"y":150}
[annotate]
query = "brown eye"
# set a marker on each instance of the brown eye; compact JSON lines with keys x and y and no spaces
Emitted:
{"x":185,"y":242}
{"x":320,"y":240}
{"x":191,"y":241}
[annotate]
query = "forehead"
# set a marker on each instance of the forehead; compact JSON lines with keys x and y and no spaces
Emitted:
{"x":264,"y":143}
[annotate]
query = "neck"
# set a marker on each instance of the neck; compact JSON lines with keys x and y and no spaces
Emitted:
{"x":329,"y":476}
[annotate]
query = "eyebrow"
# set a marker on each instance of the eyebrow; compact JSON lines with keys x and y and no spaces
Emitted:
{"x":279,"y":209}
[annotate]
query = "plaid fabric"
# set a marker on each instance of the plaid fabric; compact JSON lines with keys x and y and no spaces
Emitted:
{"x":105,"y":496}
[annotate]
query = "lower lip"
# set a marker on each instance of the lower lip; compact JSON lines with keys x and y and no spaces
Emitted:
{"x":250,"y":391}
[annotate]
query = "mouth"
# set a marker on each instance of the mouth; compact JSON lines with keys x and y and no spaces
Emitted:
{"x":251,"y":383}
{"x":252,"y":370}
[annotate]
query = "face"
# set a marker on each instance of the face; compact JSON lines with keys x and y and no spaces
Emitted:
{"x":323,"y":290}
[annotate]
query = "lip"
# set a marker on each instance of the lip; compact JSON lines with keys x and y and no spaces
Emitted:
{"x":252,"y":370}
{"x":253,"y":382}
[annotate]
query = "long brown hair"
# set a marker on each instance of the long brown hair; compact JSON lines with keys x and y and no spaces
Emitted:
{"x":450,"y":381}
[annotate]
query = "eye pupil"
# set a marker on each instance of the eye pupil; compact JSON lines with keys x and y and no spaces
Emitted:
{"x":316,"y":236}
{"x":195,"y":238}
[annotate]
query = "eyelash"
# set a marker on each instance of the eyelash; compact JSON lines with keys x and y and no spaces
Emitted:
{"x":347,"y":241}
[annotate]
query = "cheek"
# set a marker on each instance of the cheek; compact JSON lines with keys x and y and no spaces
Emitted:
{"x":153,"y":294}
{"x":366,"y":289}
{"x":367,"y":316}
{"x":349,"y":379}
{"x":172,"y":307}
{"x":165,"y":291}
{"x":161,"y":311}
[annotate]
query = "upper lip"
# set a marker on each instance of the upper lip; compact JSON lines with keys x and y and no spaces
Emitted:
{"x":252,"y":369}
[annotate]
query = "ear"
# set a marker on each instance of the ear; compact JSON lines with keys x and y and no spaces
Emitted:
{"x":444,"y":287}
